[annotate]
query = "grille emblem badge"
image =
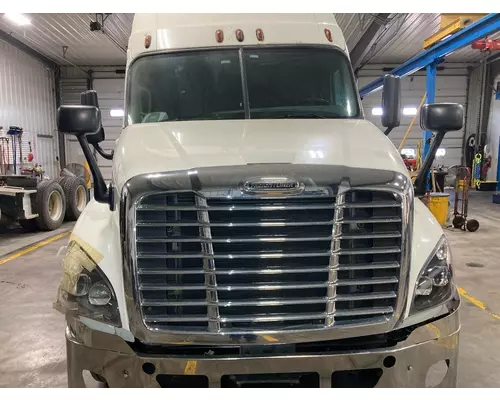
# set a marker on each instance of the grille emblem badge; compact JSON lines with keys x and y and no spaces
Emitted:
{"x":272,"y":185}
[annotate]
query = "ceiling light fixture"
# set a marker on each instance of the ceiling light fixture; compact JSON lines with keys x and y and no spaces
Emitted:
{"x":116,"y":112}
{"x":19,"y":19}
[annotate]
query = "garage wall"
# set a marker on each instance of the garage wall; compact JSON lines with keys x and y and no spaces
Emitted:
{"x":28,"y":100}
{"x":451,"y":86}
{"x":109,"y":86}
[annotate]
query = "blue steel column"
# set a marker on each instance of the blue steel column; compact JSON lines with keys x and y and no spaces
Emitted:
{"x":475,"y":31}
{"x":430,"y":85}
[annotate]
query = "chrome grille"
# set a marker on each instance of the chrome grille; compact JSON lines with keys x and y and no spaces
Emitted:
{"x":251,"y":264}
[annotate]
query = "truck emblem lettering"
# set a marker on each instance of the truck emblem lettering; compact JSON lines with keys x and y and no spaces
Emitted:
{"x":273,"y":186}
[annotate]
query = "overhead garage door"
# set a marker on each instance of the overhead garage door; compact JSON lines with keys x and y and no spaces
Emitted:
{"x":450,"y":89}
{"x":111,"y":97}
{"x":71,"y":89}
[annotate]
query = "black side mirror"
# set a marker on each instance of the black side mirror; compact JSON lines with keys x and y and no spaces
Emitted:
{"x":89,"y":98}
{"x":81,"y":121}
{"x":439,"y":118}
{"x":442,"y":117}
{"x":391,"y":103}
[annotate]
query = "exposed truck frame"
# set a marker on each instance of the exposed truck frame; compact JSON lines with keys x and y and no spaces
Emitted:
{"x":41,"y":204}
{"x":255,"y":245}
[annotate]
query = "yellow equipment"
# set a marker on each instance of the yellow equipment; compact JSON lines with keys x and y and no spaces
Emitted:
{"x":438,"y":204}
{"x":450,"y":24}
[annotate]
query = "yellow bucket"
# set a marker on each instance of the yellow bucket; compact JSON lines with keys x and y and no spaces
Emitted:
{"x":438,"y":204}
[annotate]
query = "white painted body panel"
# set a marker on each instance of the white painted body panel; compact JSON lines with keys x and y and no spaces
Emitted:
{"x":186,"y":31}
{"x":173,"y":146}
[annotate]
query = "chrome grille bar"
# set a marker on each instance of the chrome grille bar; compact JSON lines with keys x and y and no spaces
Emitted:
{"x":271,"y":318}
{"x":347,"y":282}
{"x":265,"y":303}
{"x":334,"y":258}
{"x":235,"y":224}
{"x":267,"y":271}
{"x":207,"y":250}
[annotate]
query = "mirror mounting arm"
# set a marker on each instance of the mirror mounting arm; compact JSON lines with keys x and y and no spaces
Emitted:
{"x":421,"y":179}
{"x":100,"y":150}
{"x":101,"y":193}
{"x":388,"y":130}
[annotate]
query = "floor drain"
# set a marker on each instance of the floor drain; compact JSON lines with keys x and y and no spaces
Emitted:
{"x":474,"y":265}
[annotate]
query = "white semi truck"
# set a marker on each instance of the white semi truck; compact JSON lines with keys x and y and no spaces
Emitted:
{"x":258,"y":230}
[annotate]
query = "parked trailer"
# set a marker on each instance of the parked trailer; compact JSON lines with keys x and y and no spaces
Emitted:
{"x":41,"y":204}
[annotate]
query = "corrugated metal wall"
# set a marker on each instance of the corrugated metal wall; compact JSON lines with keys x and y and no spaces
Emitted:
{"x":28,"y":100}
{"x":451,"y":86}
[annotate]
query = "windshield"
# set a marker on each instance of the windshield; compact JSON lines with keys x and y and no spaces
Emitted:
{"x":256,"y":84}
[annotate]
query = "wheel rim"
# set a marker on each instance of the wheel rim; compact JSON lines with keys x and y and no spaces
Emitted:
{"x":55,"y":205}
{"x":81,"y":198}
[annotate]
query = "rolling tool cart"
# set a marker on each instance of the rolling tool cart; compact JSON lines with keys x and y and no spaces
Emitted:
{"x":460,"y":220}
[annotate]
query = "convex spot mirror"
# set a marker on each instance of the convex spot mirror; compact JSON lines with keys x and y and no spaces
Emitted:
{"x":79,"y":120}
{"x":391,"y":102}
{"x":442,"y":117}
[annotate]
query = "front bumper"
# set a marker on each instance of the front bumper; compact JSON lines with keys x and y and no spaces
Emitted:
{"x":404,"y":365}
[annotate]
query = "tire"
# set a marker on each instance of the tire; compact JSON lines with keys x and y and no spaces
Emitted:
{"x":472,"y":225}
{"x":76,"y":196}
{"x":458,"y":222}
{"x":50,"y":205}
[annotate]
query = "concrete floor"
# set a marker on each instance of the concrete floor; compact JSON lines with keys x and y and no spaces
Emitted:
{"x":32,"y":347}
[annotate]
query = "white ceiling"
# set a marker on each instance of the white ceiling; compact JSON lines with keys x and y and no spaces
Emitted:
{"x":48,"y":33}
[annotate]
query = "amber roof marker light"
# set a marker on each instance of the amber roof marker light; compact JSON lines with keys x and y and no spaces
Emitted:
{"x":219,"y":35}
{"x":147,"y":41}
{"x":328,"y":34}
{"x":239,"y":35}
{"x":260,"y":34}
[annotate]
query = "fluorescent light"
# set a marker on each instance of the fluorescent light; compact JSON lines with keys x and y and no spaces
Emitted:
{"x":19,"y":19}
{"x":377,"y":111}
{"x":116,"y":112}
{"x":410,"y":111}
{"x":440,"y":152}
{"x":316,"y":154}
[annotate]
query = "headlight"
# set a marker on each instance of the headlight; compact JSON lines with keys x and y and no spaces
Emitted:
{"x":435,"y":281}
{"x":84,"y":289}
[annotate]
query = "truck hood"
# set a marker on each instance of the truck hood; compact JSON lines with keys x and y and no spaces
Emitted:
{"x":174,"y":146}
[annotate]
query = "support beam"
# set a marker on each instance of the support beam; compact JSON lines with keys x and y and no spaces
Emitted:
{"x":430,"y":87}
{"x":365,"y":42}
{"x":478,"y":30}
{"x":28,"y":50}
{"x":60,"y":137}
